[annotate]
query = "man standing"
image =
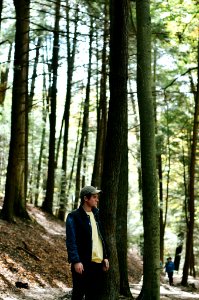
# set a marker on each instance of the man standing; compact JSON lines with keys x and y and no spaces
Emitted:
{"x":170,"y":267}
{"x":86,"y":246}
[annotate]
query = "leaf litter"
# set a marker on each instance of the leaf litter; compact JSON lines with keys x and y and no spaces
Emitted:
{"x":33,"y":263}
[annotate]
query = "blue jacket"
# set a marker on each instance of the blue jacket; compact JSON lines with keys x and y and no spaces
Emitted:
{"x":170,"y":267}
{"x":79,"y":236}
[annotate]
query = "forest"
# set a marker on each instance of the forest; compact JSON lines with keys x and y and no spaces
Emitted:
{"x":105,"y":93}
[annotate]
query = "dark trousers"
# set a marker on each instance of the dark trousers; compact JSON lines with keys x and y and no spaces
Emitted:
{"x":89,"y":283}
{"x":170,"y":275}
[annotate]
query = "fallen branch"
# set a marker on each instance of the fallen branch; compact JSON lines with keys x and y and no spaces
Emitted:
{"x":27,"y":250}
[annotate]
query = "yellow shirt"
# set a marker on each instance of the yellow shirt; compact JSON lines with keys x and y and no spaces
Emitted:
{"x":97,"y":249}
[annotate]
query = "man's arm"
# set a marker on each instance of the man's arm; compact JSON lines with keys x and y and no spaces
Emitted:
{"x":73,"y":256}
{"x":71,"y":245}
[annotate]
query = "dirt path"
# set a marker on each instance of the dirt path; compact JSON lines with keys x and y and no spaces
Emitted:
{"x":176,"y":292}
{"x":35,"y":293}
{"x":168,"y":293}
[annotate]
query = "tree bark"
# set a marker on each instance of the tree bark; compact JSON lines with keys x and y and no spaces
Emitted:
{"x":34,"y":74}
{"x":42,"y":144}
{"x":121,"y":227}
{"x":191,"y":188}
{"x":101,"y":110}
{"x":48,"y":201}
{"x":151,"y":257}
{"x":85,"y":121}
{"x":115,"y":140}
{"x":70,"y":70}
{"x":16,"y":180}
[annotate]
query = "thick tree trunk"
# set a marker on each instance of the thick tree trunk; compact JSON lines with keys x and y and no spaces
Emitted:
{"x":16,"y":180}
{"x":116,"y":132}
{"x":151,"y":280}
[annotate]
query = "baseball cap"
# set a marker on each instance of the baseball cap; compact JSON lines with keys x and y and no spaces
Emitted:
{"x":89,"y":189}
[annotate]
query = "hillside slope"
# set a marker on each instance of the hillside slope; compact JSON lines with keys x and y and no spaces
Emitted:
{"x":33,"y":254}
{"x":33,"y":257}
{"x":33,"y":263}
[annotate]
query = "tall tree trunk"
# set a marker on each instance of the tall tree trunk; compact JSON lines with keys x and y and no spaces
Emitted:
{"x":121,"y":226}
{"x":115,"y":140}
{"x":48,"y":202}
{"x":162,"y":227}
{"x":70,"y":70}
{"x":85,"y":121}
{"x":16,"y":180}
{"x":74,"y":159}
{"x":151,"y":258}
{"x":34,"y":74}
{"x":101,"y":110}
{"x":42,"y":144}
{"x":191,"y":198}
{"x":158,"y":156}
{"x":164,"y":199}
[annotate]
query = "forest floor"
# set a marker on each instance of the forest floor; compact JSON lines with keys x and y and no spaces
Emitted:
{"x":33,"y":263}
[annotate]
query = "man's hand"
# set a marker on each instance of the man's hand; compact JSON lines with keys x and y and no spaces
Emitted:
{"x":79,"y":268}
{"x":105,"y":265}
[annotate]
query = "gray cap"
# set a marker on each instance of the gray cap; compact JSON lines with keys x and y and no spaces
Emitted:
{"x":89,"y":189}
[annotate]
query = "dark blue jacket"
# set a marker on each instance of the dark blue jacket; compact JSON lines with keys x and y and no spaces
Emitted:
{"x":170,"y":266}
{"x":79,"y":236}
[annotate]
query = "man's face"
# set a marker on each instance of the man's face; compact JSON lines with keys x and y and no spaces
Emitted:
{"x":93,"y":201}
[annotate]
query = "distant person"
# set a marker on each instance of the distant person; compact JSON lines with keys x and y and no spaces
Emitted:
{"x":86,"y":246}
{"x":169,"y":268}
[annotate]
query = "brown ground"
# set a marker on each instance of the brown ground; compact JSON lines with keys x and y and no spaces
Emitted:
{"x":33,"y":257}
{"x":33,"y":254}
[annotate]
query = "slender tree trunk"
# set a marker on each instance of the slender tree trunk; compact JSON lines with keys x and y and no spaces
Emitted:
{"x":159,"y":157}
{"x":71,"y":60}
{"x":151,"y":258}
{"x":85,"y":121}
{"x":16,"y":180}
{"x":74,"y":159}
{"x":115,"y":140}
{"x":162,"y":228}
{"x":42,"y":144}
{"x":48,"y":202}
{"x":34,"y":75}
{"x":192,"y":264}
{"x":191,"y":198}
{"x":84,"y":158}
{"x":164,"y":200}
{"x":101,"y":110}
